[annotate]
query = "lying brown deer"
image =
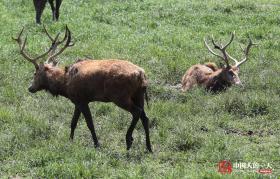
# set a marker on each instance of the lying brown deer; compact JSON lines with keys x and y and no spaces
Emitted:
{"x":210,"y":76}
{"x":40,"y":6}
{"x":117,"y":81}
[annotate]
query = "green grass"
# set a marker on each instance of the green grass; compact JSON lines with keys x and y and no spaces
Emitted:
{"x":190,"y":132}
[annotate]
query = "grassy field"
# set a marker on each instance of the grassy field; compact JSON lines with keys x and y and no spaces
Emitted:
{"x":190,"y":132}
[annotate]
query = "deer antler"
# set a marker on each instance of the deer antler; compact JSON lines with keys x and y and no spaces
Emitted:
{"x":23,"y":53}
{"x":246,"y":52}
{"x":54,"y":39}
{"x":67,"y":38}
{"x":221,"y":48}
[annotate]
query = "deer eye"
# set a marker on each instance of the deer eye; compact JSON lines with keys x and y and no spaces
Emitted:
{"x":231,"y":73}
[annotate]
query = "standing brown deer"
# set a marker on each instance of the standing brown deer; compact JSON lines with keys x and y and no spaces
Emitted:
{"x":40,"y":6}
{"x":117,"y":81}
{"x":210,"y":76}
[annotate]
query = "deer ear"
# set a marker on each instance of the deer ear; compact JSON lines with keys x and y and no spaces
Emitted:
{"x":235,"y":68}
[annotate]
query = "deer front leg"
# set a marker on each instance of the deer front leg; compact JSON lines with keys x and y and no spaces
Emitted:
{"x":86,"y":112}
{"x":53,"y":9}
{"x":39,"y":8}
{"x":74,"y":121}
{"x":58,"y":3}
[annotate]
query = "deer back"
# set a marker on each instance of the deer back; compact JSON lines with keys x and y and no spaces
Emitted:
{"x":104,"y":80}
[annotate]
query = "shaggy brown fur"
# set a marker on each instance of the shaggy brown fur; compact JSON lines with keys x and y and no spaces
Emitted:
{"x":210,"y":77}
{"x":40,"y":6}
{"x":213,"y":66}
{"x":117,"y":81}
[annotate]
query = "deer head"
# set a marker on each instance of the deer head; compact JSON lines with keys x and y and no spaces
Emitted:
{"x":50,"y":56}
{"x":229,"y":72}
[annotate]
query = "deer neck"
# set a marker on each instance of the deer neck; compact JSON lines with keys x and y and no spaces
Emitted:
{"x":57,"y":81}
{"x":216,"y":81}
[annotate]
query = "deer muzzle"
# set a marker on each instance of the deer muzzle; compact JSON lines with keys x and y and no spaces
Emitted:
{"x":31,"y":89}
{"x":238,"y":82}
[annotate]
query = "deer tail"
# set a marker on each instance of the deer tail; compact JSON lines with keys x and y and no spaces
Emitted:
{"x":146,"y":97}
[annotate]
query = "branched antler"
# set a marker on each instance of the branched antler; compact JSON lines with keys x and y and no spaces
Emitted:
{"x":226,"y":56}
{"x":23,"y":53}
{"x":67,"y":44}
{"x":221,"y":48}
{"x":246,"y":52}
{"x":51,"y":52}
{"x":56,"y":43}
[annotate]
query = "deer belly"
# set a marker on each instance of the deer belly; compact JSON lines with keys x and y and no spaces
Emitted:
{"x":87,"y":90}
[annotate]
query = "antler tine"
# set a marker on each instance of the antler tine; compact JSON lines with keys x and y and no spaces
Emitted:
{"x":70,"y":43}
{"x":64,"y":38}
{"x":22,"y":47}
{"x":222,"y":49}
{"x":210,"y":50}
{"x":236,"y":61}
{"x":53,"y":47}
{"x":54,"y":40}
{"x":69,"y":37}
{"x":243,"y":50}
{"x":50,"y":37}
{"x":215,"y":44}
{"x":246,"y":52}
{"x":231,"y":39}
{"x":18,"y":39}
{"x":67,"y":44}
{"x":25,"y":55}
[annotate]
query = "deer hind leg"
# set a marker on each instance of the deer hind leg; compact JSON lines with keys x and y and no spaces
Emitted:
{"x":188,"y":83}
{"x":39,"y":8}
{"x":135,"y":118}
{"x":74,"y":121}
{"x":86,"y":112}
{"x":139,"y":102}
{"x":145,"y":123}
{"x":135,"y":111}
{"x":53,"y":8}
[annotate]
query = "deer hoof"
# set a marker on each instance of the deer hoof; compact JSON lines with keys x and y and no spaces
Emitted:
{"x":97,"y":145}
{"x":129,"y":141}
